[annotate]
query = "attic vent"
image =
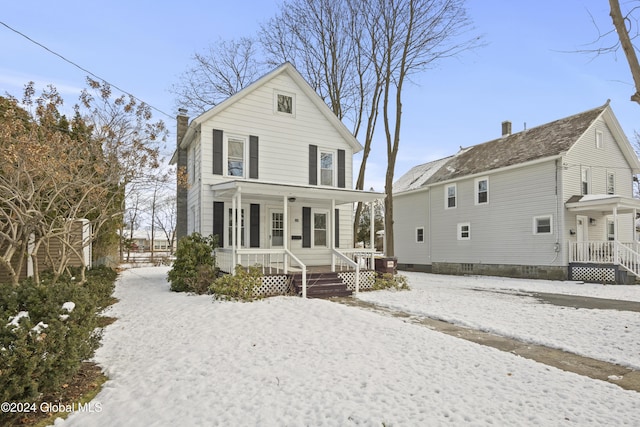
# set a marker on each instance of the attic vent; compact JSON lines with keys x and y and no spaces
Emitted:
{"x":506,"y":128}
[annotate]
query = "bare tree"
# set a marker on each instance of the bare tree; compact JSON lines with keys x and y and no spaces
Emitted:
{"x":222,"y":70}
{"x":411,"y":35}
{"x":627,"y":28}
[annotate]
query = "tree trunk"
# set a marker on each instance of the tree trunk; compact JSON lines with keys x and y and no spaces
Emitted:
{"x":627,"y":46}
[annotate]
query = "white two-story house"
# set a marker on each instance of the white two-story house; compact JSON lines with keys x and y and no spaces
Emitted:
{"x":269,"y":173}
{"x":554,"y":201}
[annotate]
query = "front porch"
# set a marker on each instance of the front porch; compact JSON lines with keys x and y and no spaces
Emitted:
{"x":604,"y":262}
{"x":292,"y":229}
{"x":613,"y":258}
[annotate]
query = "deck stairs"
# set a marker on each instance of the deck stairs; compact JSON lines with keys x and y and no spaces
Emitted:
{"x":320,"y":285}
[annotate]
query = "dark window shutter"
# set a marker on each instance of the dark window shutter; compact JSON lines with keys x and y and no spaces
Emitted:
{"x":306,"y":227}
{"x":253,"y":157}
{"x":254,"y":226}
{"x":218,"y":222}
{"x":337,"y":228}
{"x":313,"y":164}
{"x":341,"y":171}
{"x":217,"y":152}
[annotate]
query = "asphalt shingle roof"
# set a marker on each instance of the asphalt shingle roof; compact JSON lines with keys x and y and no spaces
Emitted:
{"x":547,"y":140}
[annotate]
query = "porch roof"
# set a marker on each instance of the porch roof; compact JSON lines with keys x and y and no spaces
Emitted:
{"x":273,"y":190}
{"x":603,"y":203}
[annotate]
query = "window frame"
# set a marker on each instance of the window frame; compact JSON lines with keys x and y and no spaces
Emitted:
{"x":599,"y":139}
{"x":334,"y":166}
{"x":476,"y":191}
{"x":245,"y":155}
{"x":611,"y":183}
{"x":585,"y":180}
{"x":446,"y":196}
{"x":327,"y":224}
{"x":610,"y":230}
{"x":536,"y":225}
{"x":419,"y":234}
{"x":460,"y":230}
{"x":243,"y":228}
{"x":276,"y":104}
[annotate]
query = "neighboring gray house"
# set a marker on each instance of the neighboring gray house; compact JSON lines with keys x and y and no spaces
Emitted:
{"x":554,"y":201}
{"x":270,"y":174}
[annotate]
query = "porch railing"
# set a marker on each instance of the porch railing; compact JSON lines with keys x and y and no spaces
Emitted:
{"x":345,"y":259}
{"x":365,"y":258}
{"x":625,"y":254}
{"x":270,"y":261}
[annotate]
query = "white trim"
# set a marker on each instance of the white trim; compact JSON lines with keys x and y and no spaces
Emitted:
{"x":459,"y":228}
{"x":535,"y":224}
{"x":599,"y":139}
{"x":225,"y":154}
{"x":276,"y":110}
{"x":446,"y":196}
{"x":312,"y":226}
{"x":476,"y":193}
{"x":610,"y":174}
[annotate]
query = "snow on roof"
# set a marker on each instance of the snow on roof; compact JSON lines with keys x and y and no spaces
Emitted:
{"x":418,"y":175}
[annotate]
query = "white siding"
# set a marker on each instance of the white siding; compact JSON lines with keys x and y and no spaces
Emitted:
{"x":599,"y":161}
{"x":501,"y":230}
{"x":411,"y":211}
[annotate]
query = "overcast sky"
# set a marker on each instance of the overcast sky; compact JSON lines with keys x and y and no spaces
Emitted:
{"x":527,"y":73}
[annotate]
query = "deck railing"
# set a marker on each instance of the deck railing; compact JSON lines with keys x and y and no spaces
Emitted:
{"x":363,"y":257}
{"x":270,"y":261}
{"x":337,"y":255}
{"x":625,"y":254}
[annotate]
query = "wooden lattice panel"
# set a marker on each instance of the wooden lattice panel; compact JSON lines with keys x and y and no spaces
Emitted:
{"x":367,"y":279}
{"x":273,"y":285}
{"x":594,"y":274}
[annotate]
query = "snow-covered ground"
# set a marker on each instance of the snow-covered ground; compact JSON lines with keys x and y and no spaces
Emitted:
{"x":176,"y":359}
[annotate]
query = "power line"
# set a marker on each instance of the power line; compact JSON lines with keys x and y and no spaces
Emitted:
{"x":83,"y":69}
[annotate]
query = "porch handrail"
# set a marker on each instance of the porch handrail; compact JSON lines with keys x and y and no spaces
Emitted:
{"x":352,"y":263}
{"x":367,"y":254}
{"x":304,"y":271}
{"x":628,"y":258}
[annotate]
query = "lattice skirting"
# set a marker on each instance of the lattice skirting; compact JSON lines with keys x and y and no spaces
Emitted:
{"x":594,"y":273}
{"x":367,"y":278}
{"x":273,"y":285}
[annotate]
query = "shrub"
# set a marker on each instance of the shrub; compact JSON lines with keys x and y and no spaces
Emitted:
{"x":43,"y":337}
{"x":240,"y":286}
{"x":194,"y":267}
{"x":390,"y":281}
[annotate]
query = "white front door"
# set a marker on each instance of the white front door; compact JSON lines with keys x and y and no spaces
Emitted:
{"x":582,"y":237}
{"x":276,"y":228}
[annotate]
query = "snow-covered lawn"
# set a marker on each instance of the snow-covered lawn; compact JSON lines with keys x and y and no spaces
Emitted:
{"x":175,"y":359}
{"x":496,"y":305}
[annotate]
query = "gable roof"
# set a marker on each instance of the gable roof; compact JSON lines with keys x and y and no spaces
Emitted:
{"x":418,"y":175}
{"x":544,"y":141}
{"x":290,"y":70}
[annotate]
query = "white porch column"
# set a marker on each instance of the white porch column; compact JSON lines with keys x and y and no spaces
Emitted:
{"x":233,"y":235}
{"x":372,"y":234}
{"x":332,"y":234}
{"x":285,"y":232}
{"x":615,"y":235}
{"x":238,"y":229}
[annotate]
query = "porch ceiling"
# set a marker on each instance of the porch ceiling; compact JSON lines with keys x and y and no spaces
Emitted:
{"x":272,"y":190}
{"x":605,"y":203}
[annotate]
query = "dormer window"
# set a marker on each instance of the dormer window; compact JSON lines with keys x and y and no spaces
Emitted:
{"x":284,"y":103}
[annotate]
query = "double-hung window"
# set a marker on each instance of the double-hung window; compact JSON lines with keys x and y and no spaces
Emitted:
{"x":420,"y":235}
{"x":450,"y":196}
{"x":586,"y":181}
{"x":611,"y":183}
{"x":542,"y":225}
{"x":235,"y":156}
{"x":482,"y":190}
{"x":231,"y":229}
{"x":464,"y":231}
{"x":326,"y":168}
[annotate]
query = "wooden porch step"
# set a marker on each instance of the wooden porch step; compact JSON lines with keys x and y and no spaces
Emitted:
{"x":320,"y":285}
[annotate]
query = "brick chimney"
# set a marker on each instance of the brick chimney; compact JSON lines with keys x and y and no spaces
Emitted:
{"x":506,"y":128}
{"x":181,"y":192}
